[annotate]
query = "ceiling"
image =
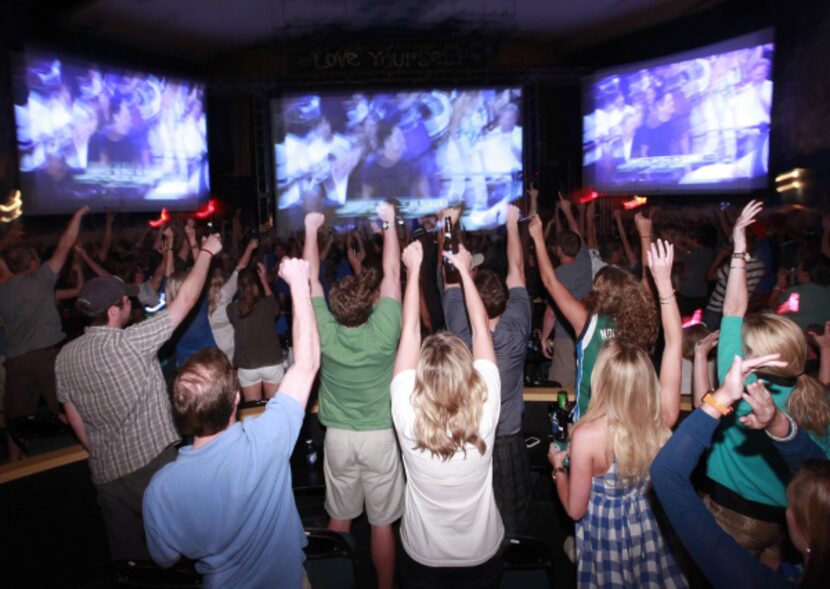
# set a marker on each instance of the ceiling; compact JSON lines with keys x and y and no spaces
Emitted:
{"x":199,"y":30}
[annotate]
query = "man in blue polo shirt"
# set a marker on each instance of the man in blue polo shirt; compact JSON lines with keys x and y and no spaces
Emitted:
{"x":227,"y":501}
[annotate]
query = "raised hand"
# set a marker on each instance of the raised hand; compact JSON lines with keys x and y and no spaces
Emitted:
{"x":660,"y":259}
{"x":294,"y":271}
{"x":213,"y":244}
{"x":644,"y":225}
{"x":386,"y":212}
{"x":260,"y":270}
{"x":745,"y":219}
{"x":706,"y":344}
{"x":732,"y":388}
{"x":253,"y":244}
{"x":822,"y":340}
{"x":313,"y":222}
{"x":763,"y":407}
{"x":463,"y":260}
{"x":412,"y":256}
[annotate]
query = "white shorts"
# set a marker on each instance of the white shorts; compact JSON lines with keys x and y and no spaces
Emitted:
{"x":273,"y":374}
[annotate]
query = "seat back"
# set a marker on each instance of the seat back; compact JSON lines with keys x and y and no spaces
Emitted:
{"x":329,"y":559}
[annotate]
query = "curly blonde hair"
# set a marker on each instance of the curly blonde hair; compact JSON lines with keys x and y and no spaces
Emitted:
{"x":625,"y":391}
{"x":768,"y":333}
{"x":448,"y":398}
{"x":618,"y":294}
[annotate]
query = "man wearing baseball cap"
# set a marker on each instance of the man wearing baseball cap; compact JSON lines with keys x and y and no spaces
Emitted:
{"x":115,"y":397}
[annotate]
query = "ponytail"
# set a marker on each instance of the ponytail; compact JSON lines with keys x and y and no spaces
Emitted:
{"x":809,"y":405}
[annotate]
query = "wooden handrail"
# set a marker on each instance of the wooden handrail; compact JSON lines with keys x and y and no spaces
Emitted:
{"x":75,"y":453}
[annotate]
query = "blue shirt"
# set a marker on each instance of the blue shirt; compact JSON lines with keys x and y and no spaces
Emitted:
{"x":229,"y":504}
{"x":197,"y":334}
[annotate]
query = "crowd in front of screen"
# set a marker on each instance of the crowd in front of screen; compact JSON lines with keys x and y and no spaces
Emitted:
{"x":421,"y":353}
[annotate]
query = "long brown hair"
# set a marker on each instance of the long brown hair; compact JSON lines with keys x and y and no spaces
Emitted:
{"x":249,"y":292}
{"x":808,"y":496}
{"x":618,"y":294}
{"x":448,"y":398}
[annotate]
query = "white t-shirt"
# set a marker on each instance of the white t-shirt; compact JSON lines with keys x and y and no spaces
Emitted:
{"x":450,"y":516}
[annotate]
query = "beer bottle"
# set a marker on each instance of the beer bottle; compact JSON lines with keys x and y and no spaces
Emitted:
{"x":451,"y":275}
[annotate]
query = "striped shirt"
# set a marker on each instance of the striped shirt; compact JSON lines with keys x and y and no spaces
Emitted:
{"x":754,"y":274}
{"x":113,"y":378}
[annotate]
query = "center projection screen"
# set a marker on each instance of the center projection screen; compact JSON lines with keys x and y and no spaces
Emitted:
{"x":425,"y":149}
{"x":696,"y":122}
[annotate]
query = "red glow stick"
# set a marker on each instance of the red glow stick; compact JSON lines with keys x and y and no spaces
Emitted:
{"x":791,"y":305}
{"x":593,"y":195}
{"x":635,"y":202}
{"x":207,"y":210}
{"x":697,"y":317}
{"x":161,"y":221}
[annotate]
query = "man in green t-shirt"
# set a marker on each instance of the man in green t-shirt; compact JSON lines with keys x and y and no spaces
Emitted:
{"x":358,"y":346}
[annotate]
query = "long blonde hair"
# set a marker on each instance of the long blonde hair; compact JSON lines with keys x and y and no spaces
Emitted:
{"x":448,"y":398}
{"x":174,"y":283}
{"x":767,"y":333}
{"x":625,"y":391}
{"x":214,"y":291}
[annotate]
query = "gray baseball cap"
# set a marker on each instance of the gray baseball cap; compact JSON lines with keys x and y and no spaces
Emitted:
{"x":100,"y":293}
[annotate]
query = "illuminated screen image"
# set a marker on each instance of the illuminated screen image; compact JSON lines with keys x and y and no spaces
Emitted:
{"x":109,"y":138}
{"x":696,"y":122}
{"x":344,"y":153}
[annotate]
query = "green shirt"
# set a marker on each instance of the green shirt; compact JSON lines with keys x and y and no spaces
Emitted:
{"x":742,"y":459}
{"x":598,"y":329}
{"x":356,"y":367}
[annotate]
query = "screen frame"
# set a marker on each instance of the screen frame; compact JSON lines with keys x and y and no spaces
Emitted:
{"x":17,"y":62}
{"x":276,"y":127}
{"x":759,"y":37}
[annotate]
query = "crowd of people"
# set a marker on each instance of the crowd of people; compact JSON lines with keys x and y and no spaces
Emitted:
{"x":422,"y":352}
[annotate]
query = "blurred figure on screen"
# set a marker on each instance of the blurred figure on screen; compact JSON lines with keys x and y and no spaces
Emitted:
{"x":115,"y":143}
{"x":386,"y":173}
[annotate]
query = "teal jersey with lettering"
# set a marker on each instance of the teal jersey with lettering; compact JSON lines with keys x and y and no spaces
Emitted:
{"x":598,"y":330}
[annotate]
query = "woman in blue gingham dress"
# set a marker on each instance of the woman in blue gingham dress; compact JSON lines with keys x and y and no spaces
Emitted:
{"x":618,"y":542}
{"x":629,"y":418}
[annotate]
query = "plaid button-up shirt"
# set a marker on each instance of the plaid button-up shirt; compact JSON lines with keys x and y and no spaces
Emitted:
{"x":113,"y":378}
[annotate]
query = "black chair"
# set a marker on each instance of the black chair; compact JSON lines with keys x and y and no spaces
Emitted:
{"x":330,"y":559}
{"x":526,"y":564}
{"x":146,"y":575}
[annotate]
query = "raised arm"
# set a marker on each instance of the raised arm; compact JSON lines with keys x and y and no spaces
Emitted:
{"x":515,"y":257}
{"x":573,"y":309}
{"x":191,"y":288}
{"x":410,"y":345}
{"x":479,"y":324}
{"x":298,"y":380}
{"x":533,"y":197}
{"x":737,"y":299}
{"x":823,"y":343}
{"x":311,"y":252}
{"x":106,"y":243}
{"x":591,"y":226}
{"x":567,"y":210}
{"x":390,"y":286}
{"x":660,"y":258}
{"x":190,"y":234}
{"x":700,"y":373}
{"x":630,"y":254}
{"x":644,"y":229}
{"x":92,"y":264}
{"x":67,"y":240}
{"x":263,"y":280}
{"x":71,"y":293}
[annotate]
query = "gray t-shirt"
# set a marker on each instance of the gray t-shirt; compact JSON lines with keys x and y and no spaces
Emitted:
{"x":577,"y":278}
{"x":29,"y":313}
{"x":510,"y":342}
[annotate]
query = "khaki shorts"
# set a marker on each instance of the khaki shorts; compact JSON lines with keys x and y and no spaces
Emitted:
{"x":248,"y":377}
{"x":754,"y":535}
{"x":363,"y":466}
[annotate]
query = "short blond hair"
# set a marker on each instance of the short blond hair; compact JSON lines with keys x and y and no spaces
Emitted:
{"x":448,"y":398}
{"x":625,"y":391}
